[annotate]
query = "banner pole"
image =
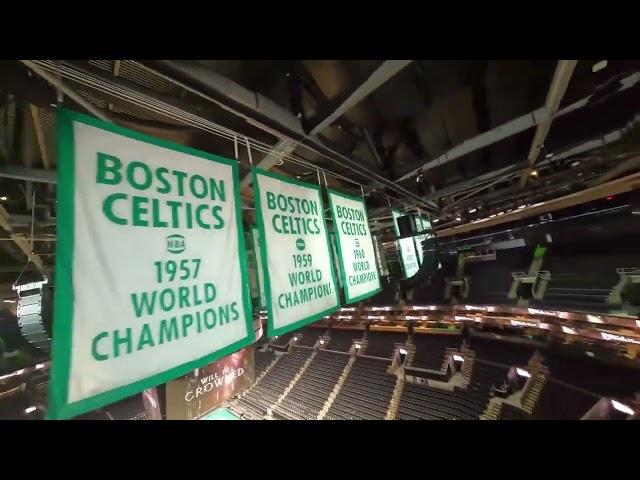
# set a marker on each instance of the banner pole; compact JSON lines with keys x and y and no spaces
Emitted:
{"x":318,"y":172}
{"x":235,"y":147}
{"x":246,"y":139}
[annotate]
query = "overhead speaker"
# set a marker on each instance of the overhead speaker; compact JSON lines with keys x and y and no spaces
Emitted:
{"x":34,"y":314}
{"x":407,"y":226}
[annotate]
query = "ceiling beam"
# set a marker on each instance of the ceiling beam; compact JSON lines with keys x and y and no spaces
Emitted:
{"x":509,"y":129}
{"x":28,"y":174}
{"x":37,"y":126}
{"x":22,"y":243}
{"x":62,"y":86}
{"x":267,"y":115}
{"x":338,"y":107}
{"x":557,"y":89}
{"x":615,"y":187}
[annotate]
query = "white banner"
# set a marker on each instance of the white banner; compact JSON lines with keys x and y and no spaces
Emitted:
{"x":301,"y":283}
{"x":408,"y":253}
{"x":151,"y":273}
{"x":357,"y":259}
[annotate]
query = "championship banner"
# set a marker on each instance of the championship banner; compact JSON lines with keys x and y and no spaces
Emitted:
{"x":357,"y":258}
{"x":151,"y":275}
{"x":408,"y":253}
{"x":300,"y":280}
{"x":421,"y":224}
{"x":255,"y":236}
{"x":204,"y":389}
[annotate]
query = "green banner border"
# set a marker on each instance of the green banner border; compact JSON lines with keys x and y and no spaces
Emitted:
{"x":272,"y":331}
{"x":343,"y":273}
{"x":59,"y":408}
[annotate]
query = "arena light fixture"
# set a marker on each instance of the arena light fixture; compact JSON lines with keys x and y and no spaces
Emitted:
{"x":523,"y":373}
{"x":30,"y":409}
{"x":321,"y":342}
{"x":458,"y":358}
{"x":621,"y":407}
{"x":402,"y":351}
{"x":358,"y":346}
{"x":594,"y":319}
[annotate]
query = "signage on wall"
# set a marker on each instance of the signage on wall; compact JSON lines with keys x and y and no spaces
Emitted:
{"x":143,"y":294}
{"x":301,"y":284}
{"x":202,"y":390}
{"x":408,"y":253}
{"x":356,"y":254}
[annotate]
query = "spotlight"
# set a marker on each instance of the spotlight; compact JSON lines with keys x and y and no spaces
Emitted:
{"x":534,"y":173}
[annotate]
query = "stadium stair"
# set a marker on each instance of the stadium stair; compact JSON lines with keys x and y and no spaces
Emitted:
{"x":492,"y":412}
{"x":294,"y":380}
{"x":467,"y":367}
{"x":336,"y":389}
{"x":243,"y":410}
{"x":411,"y":352}
{"x":395,"y":399}
{"x":533,"y":391}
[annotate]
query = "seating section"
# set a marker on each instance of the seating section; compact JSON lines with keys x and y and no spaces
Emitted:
{"x":341,"y":340}
{"x":558,"y":401}
{"x":430,"y":349}
{"x":485,"y":375}
{"x":511,"y":354}
{"x":593,"y":375}
{"x":266,"y":392}
{"x":307,"y":397}
{"x":382,"y":344}
{"x":310,"y":336}
{"x":490,"y":281}
{"x":366,"y":393}
{"x":282,"y":340}
{"x":578,"y":279}
{"x":509,"y":412}
{"x":427,"y":403}
{"x":262,"y":361}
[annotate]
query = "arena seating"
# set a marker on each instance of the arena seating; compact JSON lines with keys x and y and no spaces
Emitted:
{"x":501,"y":352}
{"x":509,"y":412}
{"x":310,"y":336}
{"x":593,"y":375}
{"x":578,"y":280}
{"x":307,"y":397}
{"x":282,"y":340}
{"x":341,"y":340}
{"x":382,"y":344}
{"x":559,"y":401}
{"x":262,"y":360}
{"x":366,"y":393}
{"x":485,"y":375}
{"x":266,"y":392}
{"x":426,"y":403}
{"x":490,"y":281}
{"x":430,"y":349}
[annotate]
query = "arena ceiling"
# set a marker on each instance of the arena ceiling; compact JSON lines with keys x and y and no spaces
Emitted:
{"x":461,"y":140}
